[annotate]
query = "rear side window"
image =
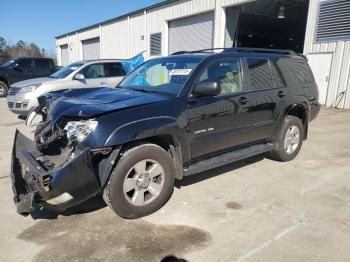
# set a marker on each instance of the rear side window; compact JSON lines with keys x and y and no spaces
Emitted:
{"x":260,"y":73}
{"x":114,"y":70}
{"x":42,"y":63}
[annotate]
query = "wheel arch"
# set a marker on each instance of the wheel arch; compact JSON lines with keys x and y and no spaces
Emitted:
{"x":3,"y":79}
{"x":301,"y":111}
{"x":166,"y":141}
{"x":170,"y":140}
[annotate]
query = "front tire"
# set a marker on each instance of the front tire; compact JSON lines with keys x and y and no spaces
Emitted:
{"x":3,"y":89}
{"x":289,"y":140}
{"x":141,"y":183}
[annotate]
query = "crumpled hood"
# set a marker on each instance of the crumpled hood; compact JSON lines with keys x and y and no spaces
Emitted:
{"x":33,"y":81}
{"x":92,"y":102}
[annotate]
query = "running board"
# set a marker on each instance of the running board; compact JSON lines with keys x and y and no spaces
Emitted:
{"x":226,"y":158}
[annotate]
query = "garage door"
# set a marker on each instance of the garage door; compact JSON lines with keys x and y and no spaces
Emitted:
{"x":191,"y":33}
{"x":64,"y":55}
{"x":91,"y":49}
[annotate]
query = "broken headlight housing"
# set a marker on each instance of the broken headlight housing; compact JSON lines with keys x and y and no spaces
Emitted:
{"x":77,"y":131}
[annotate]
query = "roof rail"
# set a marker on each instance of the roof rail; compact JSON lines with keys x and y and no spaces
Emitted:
{"x":259,"y":50}
{"x":197,"y":51}
{"x":239,"y":49}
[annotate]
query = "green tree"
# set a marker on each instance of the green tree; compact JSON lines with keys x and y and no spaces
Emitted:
{"x":34,"y":50}
{"x":21,"y":48}
{"x":4,"y":50}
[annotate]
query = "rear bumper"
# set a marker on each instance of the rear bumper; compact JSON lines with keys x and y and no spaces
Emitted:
{"x":315,"y":108}
{"x":32,"y":184}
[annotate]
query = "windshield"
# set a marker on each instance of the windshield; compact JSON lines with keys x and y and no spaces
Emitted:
{"x":8,"y":63}
{"x":166,"y":75}
{"x":65,"y":71}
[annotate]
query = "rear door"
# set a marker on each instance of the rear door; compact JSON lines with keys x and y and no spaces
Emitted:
{"x":221,"y":122}
{"x":114,"y":73}
{"x":267,"y":95}
{"x":43,"y":67}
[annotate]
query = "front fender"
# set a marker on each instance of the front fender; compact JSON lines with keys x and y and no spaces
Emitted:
{"x":150,"y":127}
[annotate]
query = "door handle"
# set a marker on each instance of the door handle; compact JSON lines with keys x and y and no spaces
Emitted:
{"x":243,"y":100}
{"x":103,"y":83}
{"x":281,"y":93}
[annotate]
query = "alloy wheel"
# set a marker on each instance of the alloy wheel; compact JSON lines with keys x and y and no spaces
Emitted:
{"x":291,"y":139}
{"x":144,"y":182}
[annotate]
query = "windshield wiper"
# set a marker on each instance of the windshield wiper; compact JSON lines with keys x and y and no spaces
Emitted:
{"x":143,"y":90}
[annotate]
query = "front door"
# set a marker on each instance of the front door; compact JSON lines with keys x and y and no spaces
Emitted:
{"x":23,"y":70}
{"x":42,"y":67}
{"x":102,"y":75}
{"x":219,"y":123}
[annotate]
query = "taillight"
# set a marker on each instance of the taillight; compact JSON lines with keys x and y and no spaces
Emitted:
{"x":317,"y":92}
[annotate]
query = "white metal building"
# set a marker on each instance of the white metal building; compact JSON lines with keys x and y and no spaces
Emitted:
{"x":318,"y":28}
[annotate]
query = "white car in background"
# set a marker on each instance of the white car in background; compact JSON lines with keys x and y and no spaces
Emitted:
{"x":23,"y":96}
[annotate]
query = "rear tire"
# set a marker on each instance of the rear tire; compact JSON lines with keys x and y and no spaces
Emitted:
{"x":3,"y":89}
{"x":141,"y":183}
{"x":289,"y":140}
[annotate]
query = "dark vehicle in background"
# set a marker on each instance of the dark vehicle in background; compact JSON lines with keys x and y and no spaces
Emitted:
{"x":23,"y":68}
{"x":170,"y":118}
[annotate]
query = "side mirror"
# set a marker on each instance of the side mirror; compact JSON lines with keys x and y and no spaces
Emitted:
{"x":207,"y":88}
{"x":79,"y":77}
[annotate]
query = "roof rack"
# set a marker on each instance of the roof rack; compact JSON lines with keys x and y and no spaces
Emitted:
{"x":259,"y":50}
{"x":239,"y":49}
{"x":197,"y":51}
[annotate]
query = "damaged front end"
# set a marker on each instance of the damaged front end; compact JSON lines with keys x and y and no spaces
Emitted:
{"x":51,"y":175}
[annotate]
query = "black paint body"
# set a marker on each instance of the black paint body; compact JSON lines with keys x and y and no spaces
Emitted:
{"x":15,"y":72}
{"x":199,"y":127}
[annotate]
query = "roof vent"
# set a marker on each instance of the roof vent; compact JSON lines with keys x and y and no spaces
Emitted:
{"x":156,"y":44}
{"x":333,"y":21}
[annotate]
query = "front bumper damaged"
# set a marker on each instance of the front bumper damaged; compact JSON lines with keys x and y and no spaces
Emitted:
{"x":56,"y":189}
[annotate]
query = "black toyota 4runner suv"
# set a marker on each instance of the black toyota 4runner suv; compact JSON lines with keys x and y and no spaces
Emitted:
{"x":23,"y":68}
{"x":172,"y":117}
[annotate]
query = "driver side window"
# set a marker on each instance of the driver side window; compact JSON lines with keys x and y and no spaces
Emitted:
{"x":25,"y":65}
{"x":94,"y":71}
{"x":228,"y":73}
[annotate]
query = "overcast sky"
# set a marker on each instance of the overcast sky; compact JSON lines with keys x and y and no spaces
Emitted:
{"x":39,"y":21}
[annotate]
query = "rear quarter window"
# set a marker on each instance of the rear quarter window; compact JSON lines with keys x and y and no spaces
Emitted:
{"x":296,"y":72}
